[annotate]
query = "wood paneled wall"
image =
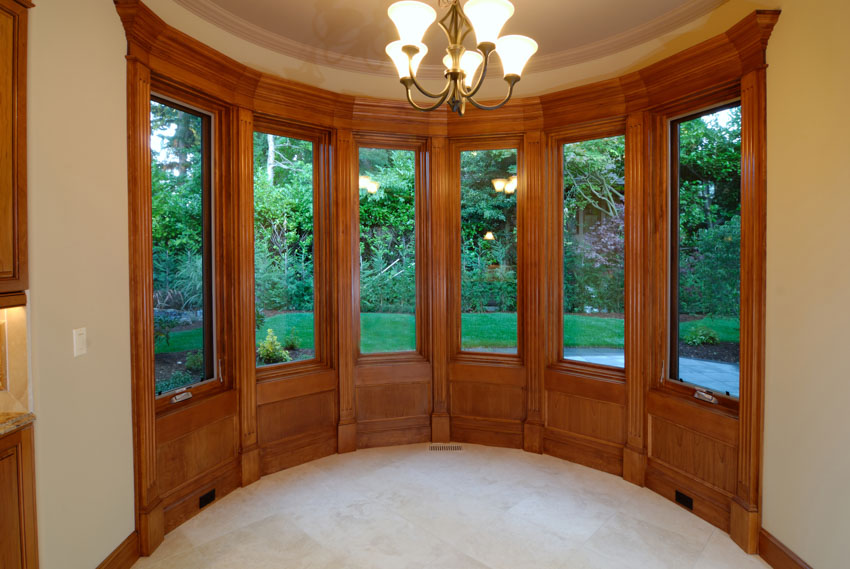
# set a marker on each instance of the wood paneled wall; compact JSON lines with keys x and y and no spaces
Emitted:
{"x":629,"y":422}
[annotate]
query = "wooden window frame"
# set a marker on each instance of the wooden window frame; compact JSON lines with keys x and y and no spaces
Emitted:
{"x":218,"y":149}
{"x":670,"y":383}
{"x":208,"y":247}
{"x":422,"y":352}
{"x":456,"y":353}
{"x":615,"y":126}
{"x":323,"y":289}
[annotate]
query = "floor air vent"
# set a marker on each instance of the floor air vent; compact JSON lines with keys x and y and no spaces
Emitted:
{"x":445,"y":447}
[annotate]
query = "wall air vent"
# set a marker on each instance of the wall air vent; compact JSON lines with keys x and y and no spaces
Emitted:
{"x":685,"y":500}
{"x":445,"y":447}
{"x":206,"y":499}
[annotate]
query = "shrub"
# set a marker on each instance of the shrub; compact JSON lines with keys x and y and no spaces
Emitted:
{"x":700,"y":335}
{"x":291,"y":341}
{"x":162,"y":326}
{"x":270,"y":351}
{"x":195,"y":362}
{"x":259,"y":316}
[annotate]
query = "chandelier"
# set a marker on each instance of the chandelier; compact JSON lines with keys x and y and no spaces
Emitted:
{"x":465,"y":69}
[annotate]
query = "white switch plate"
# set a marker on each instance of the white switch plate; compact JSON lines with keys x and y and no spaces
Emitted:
{"x":79,"y":342}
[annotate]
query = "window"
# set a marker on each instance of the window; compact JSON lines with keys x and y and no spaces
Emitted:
{"x":182,"y":246}
{"x":488,"y":227}
{"x":706,"y":250}
{"x":283,"y":248}
{"x":594,"y":251}
{"x":387,"y":250}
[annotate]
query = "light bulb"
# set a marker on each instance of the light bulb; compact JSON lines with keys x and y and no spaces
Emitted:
{"x":470,"y":61}
{"x":488,"y":17}
{"x":510,"y":187}
{"x":515,"y":51}
{"x":412,"y":19}
{"x":499,"y":184}
{"x":394,"y":50}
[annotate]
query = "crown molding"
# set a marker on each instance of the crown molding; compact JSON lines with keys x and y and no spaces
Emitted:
{"x":211,"y":12}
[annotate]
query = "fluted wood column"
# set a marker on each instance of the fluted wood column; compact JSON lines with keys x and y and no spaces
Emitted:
{"x":346,"y":206}
{"x":531,"y":206}
{"x":440,"y":230}
{"x":639,"y":281}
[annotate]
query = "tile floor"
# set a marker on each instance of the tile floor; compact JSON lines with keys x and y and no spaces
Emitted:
{"x":407,"y":507}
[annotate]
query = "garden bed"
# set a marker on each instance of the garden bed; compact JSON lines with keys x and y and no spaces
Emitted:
{"x":727,"y":352}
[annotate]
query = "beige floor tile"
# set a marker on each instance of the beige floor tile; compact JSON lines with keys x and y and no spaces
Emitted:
{"x":723,"y":553}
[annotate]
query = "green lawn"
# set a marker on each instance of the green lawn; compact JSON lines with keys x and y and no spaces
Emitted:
{"x":395,"y":332}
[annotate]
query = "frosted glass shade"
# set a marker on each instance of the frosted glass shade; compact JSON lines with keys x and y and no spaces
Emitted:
{"x":499,"y":184}
{"x":510,"y":187}
{"x":489,"y":236}
{"x":515,"y":51}
{"x":372,"y":187}
{"x":364,"y":181}
{"x":488,"y":17}
{"x":470,"y":61}
{"x":394,"y":50}
{"x":412,"y":19}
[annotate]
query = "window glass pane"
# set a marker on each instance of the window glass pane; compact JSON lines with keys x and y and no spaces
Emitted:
{"x":488,"y":226}
{"x":283,"y":248}
{"x":387,"y":250}
{"x":709,"y":251}
{"x":181,"y":252}
{"x":594,"y":251}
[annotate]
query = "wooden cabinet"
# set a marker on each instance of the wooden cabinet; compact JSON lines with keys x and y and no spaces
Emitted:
{"x":18,"y":548}
{"x":13,"y":145}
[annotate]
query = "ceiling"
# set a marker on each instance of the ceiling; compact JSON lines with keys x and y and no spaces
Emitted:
{"x":352,"y":34}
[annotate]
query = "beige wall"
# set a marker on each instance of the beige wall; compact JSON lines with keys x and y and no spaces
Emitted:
{"x":79,"y":277}
{"x":78,"y":255}
{"x":807,"y":426}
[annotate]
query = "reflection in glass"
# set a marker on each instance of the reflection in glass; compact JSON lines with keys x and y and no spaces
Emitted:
{"x":594,"y":251}
{"x":488,"y":266}
{"x":708,"y":234}
{"x":181,"y":247}
{"x":283,"y":249}
{"x":387,"y":250}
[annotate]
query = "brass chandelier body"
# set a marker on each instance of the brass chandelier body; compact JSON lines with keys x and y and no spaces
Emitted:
{"x":461,"y":65}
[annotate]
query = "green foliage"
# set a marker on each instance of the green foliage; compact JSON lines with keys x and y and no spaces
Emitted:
{"x":195,"y":361}
{"x":594,"y":226}
{"x":291,"y":341}
{"x":177,"y":380}
{"x":270,"y":350}
{"x":700,"y":335}
{"x":162,"y":327}
{"x":710,"y":271}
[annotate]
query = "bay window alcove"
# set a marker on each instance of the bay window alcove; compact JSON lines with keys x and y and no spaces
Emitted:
{"x":384,"y":276}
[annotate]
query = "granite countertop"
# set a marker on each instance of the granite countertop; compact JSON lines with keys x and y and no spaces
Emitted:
{"x":13,"y":421}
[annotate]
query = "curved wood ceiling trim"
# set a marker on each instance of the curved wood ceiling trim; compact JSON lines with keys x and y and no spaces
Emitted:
{"x":239,"y":27}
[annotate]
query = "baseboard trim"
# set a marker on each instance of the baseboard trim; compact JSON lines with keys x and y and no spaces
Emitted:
{"x":124,"y":555}
{"x":777,"y":555}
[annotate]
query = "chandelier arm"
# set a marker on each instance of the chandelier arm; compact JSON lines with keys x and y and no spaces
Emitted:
{"x":425,"y":91}
{"x":512,"y":80}
{"x":434,"y":107}
{"x":473,"y":90}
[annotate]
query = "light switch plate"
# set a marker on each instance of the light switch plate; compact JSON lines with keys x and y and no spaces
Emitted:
{"x":80,"y":346}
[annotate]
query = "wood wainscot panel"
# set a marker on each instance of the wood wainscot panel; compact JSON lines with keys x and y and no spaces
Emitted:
{"x":297,"y":430}
{"x":691,"y":452}
{"x":396,"y":431}
{"x":491,"y":432}
{"x":587,"y":417}
{"x":487,"y":401}
{"x":183,"y":459}
{"x":709,"y":503}
{"x":592,"y":452}
{"x":292,"y":417}
{"x":393,"y":401}
{"x":186,"y":503}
